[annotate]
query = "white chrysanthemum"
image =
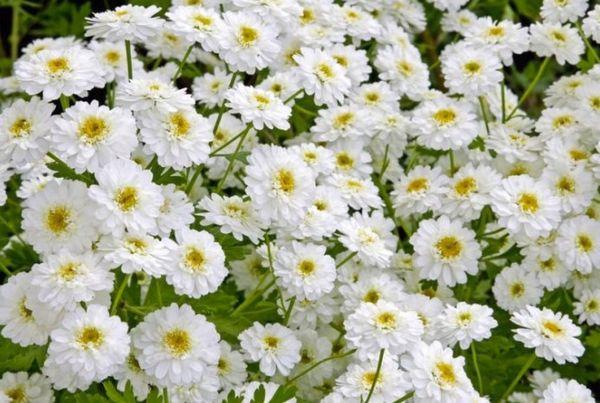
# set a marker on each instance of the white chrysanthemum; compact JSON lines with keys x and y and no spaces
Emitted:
{"x":356,"y":383}
{"x":128,"y":22}
{"x":445,"y":251}
{"x":89,"y":345}
{"x":549,"y":270}
{"x":135,"y":253}
{"x":87,"y":136}
{"x":525,"y":206}
{"x":196,"y":24}
{"x":358,"y":193}
{"x":459,"y":21}
{"x":420,"y":190}
{"x":370,"y":236}
{"x":60,"y":216}
{"x":210,"y":89}
{"x":578,"y":243}
{"x":553,"y":335}
{"x":403,"y":70}
{"x":563,"y":10}
{"x":435,"y":374}
{"x":22,"y":387}
{"x":24,"y":320}
{"x":280,"y":185}
{"x":176,"y":211}
{"x":318,"y":158}
{"x":126,"y":197}
{"x":370,"y":287}
{"x":323,"y":217}
{"x":179,"y":138}
{"x":258,"y":107}
{"x":274,"y":346}
{"x":176,"y":346}
{"x":354,"y":62}
{"x":351,"y":158}
{"x":470,"y":70}
{"x":382,"y":325}
{"x":513,"y":144}
{"x":304,"y":270}
{"x":247,"y":42}
{"x":142,"y":94}
{"x":588,"y":307}
{"x":566,"y":391}
{"x":561,"y":41}
{"x":574,"y":187}
{"x":464,"y":324}
{"x":65,"y":279}
{"x":131,"y":373}
{"x":23,"y":131}
{"x":591,"y":24}
{"x":342,"y":122}
{"x":68,"y":71}
{"x":113,"y":59}
{"x":322,"y":76}
{"x":204,"y":388}
{"x":504,"y":37}
{"x":231,"y":367}
{"x":284,"y":85}
{"x":514,"y":288}
{"x":428,"y":309}
{"x":197,"y":263}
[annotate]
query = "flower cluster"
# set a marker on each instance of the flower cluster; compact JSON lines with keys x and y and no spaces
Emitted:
{"x":229,"y":199}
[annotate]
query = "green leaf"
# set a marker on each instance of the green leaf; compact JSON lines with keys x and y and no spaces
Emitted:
{"x":259,"y":395}
{"x":528,"y":8}
{"x":233,"y":398}
{"x":283,"y":394}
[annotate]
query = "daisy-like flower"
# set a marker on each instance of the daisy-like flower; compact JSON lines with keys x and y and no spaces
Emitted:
{"x":563,"y":11}
{"x":304,"y":270}
{"x":420,"y":190}
{"x":514,"y":288}
{"x":560,"y":41}
{"x":591,"y":24}
{"x":444,"y":124}
{"x":196,"y":24}
{"x":503,"y":37}
{"x":358,"y":193}
{"x":126,"y":198}
{"x":176,"y":211}
{"x":342,"y":122}
{"x":369,"y":286}
{"x":322,"y":76}
{"x":204,"y":388}
{"x":210,"y":89}
{"x":258,"y":107}
{"x":113,"y":59}
{"x":197,"y":263}
{"x":176,"y":346}
{"x":179,"y":138}
{"x":233,"y":215}
{"x":128,"y":22}
{"x":464,"y":324}
{"x":142,"y":94}
{"x":469,"y":70}
{"x":280,"y":184}
{"x":445,"y":251}
{"x":370,"y":236}
{"x":435,"y":374}
{"x":22,"y":387}
{"x":356,"y":383}
{"x":131,"y":373}
{"x":89,"y":345}
{"x":247,"y":42}
{"x":89,"y":136}
{"x":558,"y":122}
{"x":23,"y":131}
{"x":578,"y":243}
{"x":574,"y":187}
{"x":231,"y":367}
{"x":64,"y":280}
{"x":67,"y":71}
{"x":273,"y":346}
{"x":382,"y":325}
{"x":566,"y":391}
{"x":548,"y":268}
{"x":588,"y":307}
{"x":552,"y":335}
{"x":60,"y":216}
{"x":525,"y":206}
{"x":135,"y":253}
{"x":403,"y":70}
{"x":323,"y":217}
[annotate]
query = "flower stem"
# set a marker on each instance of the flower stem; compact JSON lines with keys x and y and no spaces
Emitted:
{"x":182,"y":63}
{"x":345,"y":260}
{"x":530,"y":87}
{"x":405,"y":397}
{"x":587,"y":43}
{"x":476,"y":365}
{"x":14,"y":31}
{"x":5,"y":270}
{"x":119,"y":295}
{"x":222,"y":107}
{"x":484,"y":114}
{"x":233,"y":158}
{"x":129,"y":62}
{"x":515,"y":381}
{"x":376,"y":378}
{"x":294,"y":95}
{"x":316,"y":364}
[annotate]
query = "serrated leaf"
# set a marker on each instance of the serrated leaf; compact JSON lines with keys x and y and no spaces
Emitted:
{"x":259,"y":395}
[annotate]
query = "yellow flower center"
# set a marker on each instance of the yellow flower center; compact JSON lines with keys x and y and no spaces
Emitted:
{"x":133,"y":364}
{"x":354,"y":185}
{"x":464,"y":318}
{"x":369,"y":378}
{"x":262,"y":100}
{"x":57,"y":66}
{"x":179,"y":125}
{"x":496,"y":31}
{"x":417,"y":185}
{"x":306,"y":268}
{"x":561,"y":121}
{"x":136,"y":245}
{"x":465,"y":186}
{"x":341,"y":60}
{"x":90,"y":337}
{"x":58,"y":219}
{"x":321,"y":205}
{"x":578,"y":155}
{"x":177,"y":342}
{"x":548,"y":265}
{"x":445,"y":117}
{"x":343,"y":120}
{"x":386,"y":321}
{"x":565,"y":185}
{"x":307,"y":16}
{"x":528,"y":202}
{"x":235,"y":210}
{"x":68,"y":271}
{"x":552,"y":329}
{"x":595,"y":102}
{"x":285,"y":181}
{"x":517,"y":290}
{"x":444,"y":372}
{"x":324,"y":72}
{"x":112,"y":56}
{"x":223,"y":366}
{"x":558,"y":36}
{"x":592,"y":305}
{"x":372,"y":296}
{"x":372,"y":98}
{"x":271,"y":342}
{"x":344,"y":161}
{"x":194,"y":259}
{"x":247,"y":36}
{"x":584,"y":243}
{"x":472,"y":68}
{"x":17,"y":394}
{"x":25,"y":312}
{"x":20,"y":127}
{"x":127,"y":198}
{"x":449,"y":247}
{"x":93,"y":130}
{"x":202,"y":21}
{"x":404,"y":67}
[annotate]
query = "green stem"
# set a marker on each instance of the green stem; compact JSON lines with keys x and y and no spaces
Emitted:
{"x":13,"y":230}
{"x":129,"y":62}
{"x":288,"y":312}
{"x":294,"y":95}
{"x":222,"y":107}
{"x":587,"y":43}
{"x":485,"y":115}
{"x":515,"y":381}
{"x":64,"y":102}
{"x":5,"y":270}
{"x":530,"y":87}
{"x":110,"y":94}
{"x":476,"y":365}
{"x":165,"y":395}
{"x":345,"y":260}
{"x":182,"y":63}
{"x":405,"y":397}
{"x":376,"y":378}
{"x":233,"y":158}
{"x":452,"y":163}
{"x":221,"y":147}
{"x":316,"y":364}
{"x":14,"y":32}
{"x":253,"y":297}
{"x":503,"y":97}
{"x":119,"y":295}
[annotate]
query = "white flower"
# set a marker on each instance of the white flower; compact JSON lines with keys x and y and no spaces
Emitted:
{"x":514,"y":288}
{"x":231,"y":367}
{"x":588,"y":307}
{"x":563,"y":391}
{"x":464,"y":324}
{"x":445,"y":251}
{"x":372,"y":286}
{"x":403,"y":70}
{"x":60,"y":216}
{"x":89,"y":136}
{"x":131,"y":373}
{"x":563,"y":11}
{"x":197,"y":263}
{"x":210,"y":89}
{"x":179,"y":138}
{"x":176,"y":346}
{"x":304,"y":270}
{"x":358,"y":193}
{"x":419,"y":190}
{"x":561,"y":41}
{"x":435,"y":374}
{"x":258,"y":107}
{"x":128,"y":22}
{"x":65,"y":279}
{"x":23,"y":131}
{"x":553,"y":335}
{"x":274,"y":346}
{"x":146,"y":93}
{"x":591,"y":24}
{"x":88,"y":345}
{"x":176,"y":211}
{"x":549,"y":270}
{"x":382,"y":325}
{"x":113,"y":59}
{"x":196,"y":24}
{"x":578,"y":243}
{"x":247,"y":42}
{"x":280,"y":185}
{"x":22,"y":387}
{"x":67,"y":71}
{"x":135,"y":253}
{"x":503,"y":37}
{"x":342,"y":122}
{"x":126,"y":197}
